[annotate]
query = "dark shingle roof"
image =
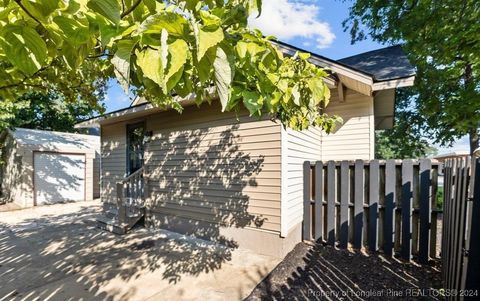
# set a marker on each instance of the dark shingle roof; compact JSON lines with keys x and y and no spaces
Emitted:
{"x":383,"y":64}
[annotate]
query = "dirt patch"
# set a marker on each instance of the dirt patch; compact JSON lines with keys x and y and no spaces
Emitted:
{"x":324,"y":273}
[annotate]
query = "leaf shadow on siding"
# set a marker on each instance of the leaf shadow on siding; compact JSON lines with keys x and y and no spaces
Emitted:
{"x":57,"y":256}
{"x":197,"y":182}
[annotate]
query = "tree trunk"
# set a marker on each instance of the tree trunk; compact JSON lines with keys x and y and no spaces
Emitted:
{"x":474,"y":137}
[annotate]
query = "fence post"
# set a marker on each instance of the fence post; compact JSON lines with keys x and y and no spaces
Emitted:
{"x":307,"y":233}
{"x":425,"y":210}
{"x":407,"y":195}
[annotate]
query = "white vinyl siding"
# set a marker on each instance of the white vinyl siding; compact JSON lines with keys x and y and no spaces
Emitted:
{"x":355,"y":137}
{"x":203,"y":166}
{"x":114,"y":160}
{"x":58,"y":177}
{"x":297,"y":147}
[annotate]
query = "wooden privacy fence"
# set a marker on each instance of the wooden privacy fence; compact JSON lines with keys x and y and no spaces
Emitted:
{"x":461,"y":228}
{"x":378,"y":205}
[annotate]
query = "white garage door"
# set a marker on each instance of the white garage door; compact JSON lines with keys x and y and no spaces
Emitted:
{"x":59,"y":178}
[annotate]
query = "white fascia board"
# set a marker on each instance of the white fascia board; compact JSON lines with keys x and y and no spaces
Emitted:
{"x":95,"y":122}
{"x":396,"y":83}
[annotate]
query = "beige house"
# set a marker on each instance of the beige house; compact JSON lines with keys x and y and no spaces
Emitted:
{"x":44,"y":167}
{"x":238,"y":179}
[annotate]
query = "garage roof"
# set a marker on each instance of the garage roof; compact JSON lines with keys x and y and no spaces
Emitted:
{"x":58,"y":141}
{"x":383,"y":64}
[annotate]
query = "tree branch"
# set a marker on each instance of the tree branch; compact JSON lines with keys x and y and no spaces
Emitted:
{"x":99,"y":55}
{"x":27,"y":12}
{"x":129,"y":10}
{"x":21,"y":84}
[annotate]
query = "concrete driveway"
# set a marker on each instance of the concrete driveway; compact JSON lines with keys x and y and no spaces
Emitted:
{"x":56,"y":253}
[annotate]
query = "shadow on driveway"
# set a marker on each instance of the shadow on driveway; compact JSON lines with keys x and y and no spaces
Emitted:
{"x":61,"y":257}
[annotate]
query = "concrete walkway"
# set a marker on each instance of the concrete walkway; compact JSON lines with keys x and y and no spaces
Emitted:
{"x":55,"y":253}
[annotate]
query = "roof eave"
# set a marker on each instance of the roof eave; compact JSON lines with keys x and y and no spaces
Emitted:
{"x":335,"y":66}
{"x":394,"y":83}
{"x":136,"y":109}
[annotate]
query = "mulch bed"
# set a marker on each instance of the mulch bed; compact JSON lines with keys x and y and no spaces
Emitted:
{"x":316,"y":272}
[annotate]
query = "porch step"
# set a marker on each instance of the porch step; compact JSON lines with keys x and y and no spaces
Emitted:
{"x":112,"y":225}
{"x":111,"y":213}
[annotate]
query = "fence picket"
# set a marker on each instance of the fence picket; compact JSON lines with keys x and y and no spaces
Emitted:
{"x":318,"y":201}
{"x":390,"y":197}
{"x":373,"y":205}
{"x":472,"y":243}
{"x":407,"y":196}
{"x":340,"y":188}
{"x":461,"y":230}
{"x":425,"y":210}
{"x":331,"y":190}
{"x":358,"y":205}
{"x":344,"y":203}
{"x":307,"y":233}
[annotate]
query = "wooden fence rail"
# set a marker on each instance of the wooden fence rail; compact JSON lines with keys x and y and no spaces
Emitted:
{"x":461,"y":229}
{"x":378,"y":205}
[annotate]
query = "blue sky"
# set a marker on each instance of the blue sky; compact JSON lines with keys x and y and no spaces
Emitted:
{"x":314,"y":25}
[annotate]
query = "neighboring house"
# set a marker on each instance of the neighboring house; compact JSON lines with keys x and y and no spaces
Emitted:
{"x":233,"y":178}
{"x":43,"y":167}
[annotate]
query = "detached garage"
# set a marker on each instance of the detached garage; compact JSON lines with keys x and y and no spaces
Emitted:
{"x":43,"y":167}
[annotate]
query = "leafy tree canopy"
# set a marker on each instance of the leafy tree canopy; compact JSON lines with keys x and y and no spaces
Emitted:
{"x":159,"y":50}
{"x":406,"y":139}
{"x":50,"y":112}
{"x":443,"y":42}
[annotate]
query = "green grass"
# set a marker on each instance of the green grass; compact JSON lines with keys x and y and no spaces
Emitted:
{"x":440,"y":197}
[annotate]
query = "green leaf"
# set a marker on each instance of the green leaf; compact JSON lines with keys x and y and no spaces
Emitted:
{"x":303,"y":55}
{"x":121,"y":62}
{"x":151,"y":64}
{"x":251,"y":101}
{"x":110,"y":9}
{"x":172,"y":22}
{"x":241,"y":49}
{"x":164,"y":48}
{"x":296,"y":95}
{"x":41,"y":9}
{"x":224,"y":68}
{"x":207,"y":40}
{"x":178,"y":52}
{"x":24,"y":48}
{"x":318,"y":88}
{"x":75,"y":31}
{"x":205,"y":66}
{"x":210,"y":20}
{"x":255,"y":6}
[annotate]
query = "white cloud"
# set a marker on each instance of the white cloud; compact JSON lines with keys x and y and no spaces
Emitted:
{"x":288,"y":19}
